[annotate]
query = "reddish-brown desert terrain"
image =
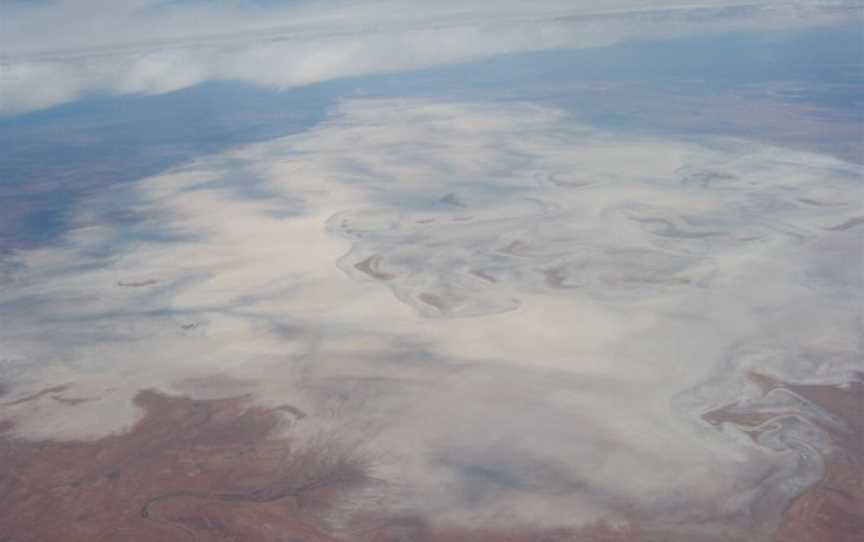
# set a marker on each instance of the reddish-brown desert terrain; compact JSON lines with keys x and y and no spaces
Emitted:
{"x":832,"y":509}
{"x":216,"y":470}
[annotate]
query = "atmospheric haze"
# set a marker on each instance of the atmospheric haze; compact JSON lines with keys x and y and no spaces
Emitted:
{"x":431,"y":318}
{"x":528,"y":318}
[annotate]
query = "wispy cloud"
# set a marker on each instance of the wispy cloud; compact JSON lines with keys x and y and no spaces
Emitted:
{"x":650,"y":276}
{"x":55,"y":52}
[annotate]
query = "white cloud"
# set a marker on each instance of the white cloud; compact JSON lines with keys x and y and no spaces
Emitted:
{"x":581,"y":404}
{"x":59,"y":51}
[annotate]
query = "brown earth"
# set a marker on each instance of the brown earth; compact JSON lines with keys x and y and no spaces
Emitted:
{"x":189,"y":470}
{"x":206,"y":471}
{"x":222,"y":470}
{"x":833,"y":509}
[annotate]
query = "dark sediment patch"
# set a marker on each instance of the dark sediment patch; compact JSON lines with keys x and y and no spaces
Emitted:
{"x":484,"y":275}
{"x":818,"y":203}
{"x":137,"y":284}
{"x":434,"y":300}
{"x":451,"y":199}
{"x":33,"y":396}
{"x":514,"y":248}
{"x":72,"y":401}
{"x":370,"y":267}
{"x":849,"y":224}
{"x":670,"y":229}
{"x":558,"y":277}
{"x":708,"y":178}
{"x":570,"y":184}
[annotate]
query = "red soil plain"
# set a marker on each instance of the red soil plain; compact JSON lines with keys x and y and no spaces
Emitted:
{"x":222,"y":470}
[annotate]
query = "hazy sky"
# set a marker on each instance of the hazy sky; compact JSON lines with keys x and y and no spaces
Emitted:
{"x":57,"y":51}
